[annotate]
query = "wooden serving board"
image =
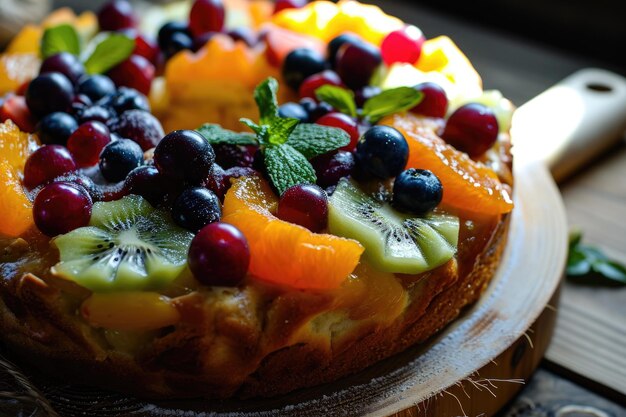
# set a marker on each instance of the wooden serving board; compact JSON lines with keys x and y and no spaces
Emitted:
{"x":471,"y":368}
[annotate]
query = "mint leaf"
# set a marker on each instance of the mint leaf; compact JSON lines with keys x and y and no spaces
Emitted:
{"x":265,"y":97}
{"x":61,"y":38}
{"x":287,"y":167}
{"x":312,"y":140}
{"x":280,"y":129}
{"x":112,"y":50}
{"x":611,"y":270}
{"x":589,"y":265}
{"x":340,"y":98}
{"x":391,"y":101}
{"x":216,"y":134}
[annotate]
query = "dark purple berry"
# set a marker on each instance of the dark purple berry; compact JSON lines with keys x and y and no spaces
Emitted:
{"x":61,"y":207}
{"x":195,"y":208}
{"x":184,"y":155}
{"x":56,"y":128}
{"x":96,"y":86}
{"x":332,"y":167}
{"x":49,"y":93}
{"x":417,"y":191}
{"x":119,"y":158}
{"x":300,"y":64}
{"x":65,"y":63}
{"x":140,"y":126}
{"x":305,"y":205}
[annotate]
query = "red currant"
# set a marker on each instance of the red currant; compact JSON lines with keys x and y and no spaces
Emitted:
{"x":47,"y":163}
{"x":356,"y":63}
{"x":434,"y":103}
{"x":305,"y":205}
{"x":116,"y":15}
{"x":135,"y":72}
{"x":402,"y":45}
{"x":343,"y":122}
{"x":312,"y":83}
{"x":472,"y":128}
{"x":86,"y":143}
{"x":61,"y":207}
{"x":219,"y":255}
{"x":206,"y":16}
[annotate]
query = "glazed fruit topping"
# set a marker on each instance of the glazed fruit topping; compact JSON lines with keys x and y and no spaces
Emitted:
{"x":61,"y":207}
{"x":472,"y":128}
{"x":305,"y":205}
{"x":417,"y":191}
{"x":382,"y":152}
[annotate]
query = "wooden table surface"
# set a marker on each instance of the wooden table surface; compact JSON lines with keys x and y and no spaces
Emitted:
{"x":588,"y":351}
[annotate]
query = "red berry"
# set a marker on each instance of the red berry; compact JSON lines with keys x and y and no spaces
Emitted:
{"x":206,"y":16}
{"x":472,"y":128}
{"x":333,"y":166}
{"x":312,"y":83}
{"x":86,"y":143}
{"x":357,"y":62}
{"x":16,"y":109}
{"x":219,"y":255}
{"x":135,"y":72}
{"x":47,"y":163}
{"x":147,"y":48}
{"x":61,"y":207}
{"x":343,"y":122}
{"x":305,"y":205}
{"x":402,"y":45}
{"x":289,"y":4}
{"x":116,"y":15}
{"x":435,"y":101}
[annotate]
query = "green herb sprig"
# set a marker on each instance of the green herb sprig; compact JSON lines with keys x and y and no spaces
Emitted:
{"x":287,"y":144}
{"x":588,"y":265}
{"x":103,"y":52}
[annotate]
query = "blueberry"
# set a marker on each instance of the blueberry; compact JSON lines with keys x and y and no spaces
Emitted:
{"x":184,"y":155}
{"x":300,"y":64}
{"x":338,"y":42}
{"x":314,"y":109}
{"x":94,"y":113}
{"x":168,"y":30}
{"x":96,"y":86}
{"x":148,"y":183}
{"x":228,"y":156}
{"x":293,"y":110}
{"x":417,"y":191}
{"x":382,"y":152}
{"x":195,"y":208}
{"x":333,"y":166}
{"x":140,"y":126}
{"x":126,"y":99}
{"x":119,"y":158}
{"x":65,"y":63}
{"x":48,"y":93}
{"x":179,"y":41}
{"x":56,"y":128}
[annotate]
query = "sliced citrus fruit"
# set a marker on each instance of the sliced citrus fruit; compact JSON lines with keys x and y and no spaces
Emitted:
{"x":26,"y":41}
{"x":16,"y":208}
{"x":16,"y":69}
{"x":284,"y":253}
{"x":467,"y":184}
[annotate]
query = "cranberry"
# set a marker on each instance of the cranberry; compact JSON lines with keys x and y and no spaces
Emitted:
{"x":402,"y":45}
{"x":117,"y":15}
{"x":219,"y":255}
{"x":434,"y":103}
{"x":140,"y":126}
{"x":135,"y":72}
{"x":356,"y":63}
{"x":343,"y":122}
{"x":332,"y":167}
{"x":61,"y":207}
{"x":312,"y":83}
{"x":47,"y":163}
{"x":65,"y":63}
{"x":305,"y":205}
{"x":87,"y":142}
{"x":206,"y":16}
{"x":472,"y":128}
{"x":289,"y":4}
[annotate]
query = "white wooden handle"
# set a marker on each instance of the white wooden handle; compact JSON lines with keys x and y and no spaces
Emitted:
{"x":572,"y":122}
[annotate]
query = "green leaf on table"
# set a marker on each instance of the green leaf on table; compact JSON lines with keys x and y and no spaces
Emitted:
{"x":265,"y":97}
{"x":340,"y":98}
{"x":391,"y":101}
{"x":217,"y":135}
{"x":287,"y":167}
{"x":113,"y":49}
{"x":61,"y":38}
{"x":312,"y":140}
{"x":589,"y":265}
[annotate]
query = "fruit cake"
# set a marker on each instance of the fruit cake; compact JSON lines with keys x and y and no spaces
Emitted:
{"x":263,"y":197}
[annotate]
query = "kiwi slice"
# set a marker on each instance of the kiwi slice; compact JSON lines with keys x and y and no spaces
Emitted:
{"x":394,"y":241}
{"x":128,"y":245}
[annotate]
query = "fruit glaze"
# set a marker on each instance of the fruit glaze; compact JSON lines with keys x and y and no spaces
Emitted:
{"x":262,"y":197}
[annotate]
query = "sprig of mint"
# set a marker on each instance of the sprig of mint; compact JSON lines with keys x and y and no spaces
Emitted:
{"x":106,"y":50}
{"x":588,"y":265}
{"x":375,"y":108}
{"x":286,"y":143}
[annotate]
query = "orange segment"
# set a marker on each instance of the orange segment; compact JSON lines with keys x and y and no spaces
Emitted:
{"x":16,"y":208}
{"x":26,"y":41}
{"x":16,"y":69}
{"x":284,"y":253}
{"x":467,"y":184}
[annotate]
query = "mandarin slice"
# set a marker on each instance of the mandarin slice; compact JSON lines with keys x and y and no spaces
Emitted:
{"x":467,"y":184}
{"x":284,"y":253}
